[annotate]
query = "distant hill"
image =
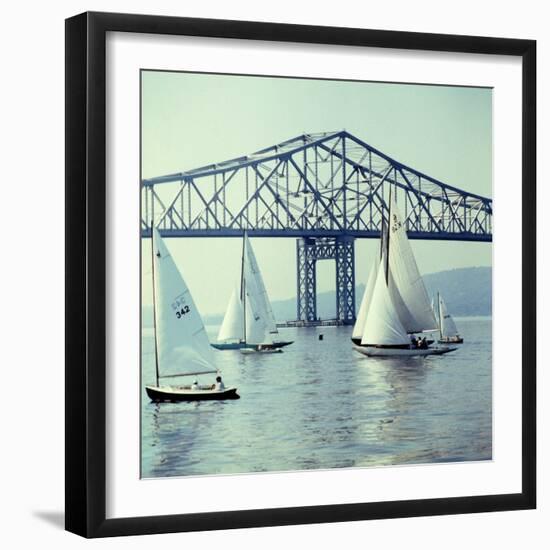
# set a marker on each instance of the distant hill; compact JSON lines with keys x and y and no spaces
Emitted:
{"x":467,"y":293}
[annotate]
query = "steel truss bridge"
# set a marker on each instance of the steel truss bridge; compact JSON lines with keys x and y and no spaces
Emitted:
{"x":326,"y":190}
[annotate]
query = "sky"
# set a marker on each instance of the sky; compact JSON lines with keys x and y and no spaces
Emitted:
{"x":191,"y":119}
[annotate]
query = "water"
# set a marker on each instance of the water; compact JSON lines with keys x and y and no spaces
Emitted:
{"x":322,"y":405}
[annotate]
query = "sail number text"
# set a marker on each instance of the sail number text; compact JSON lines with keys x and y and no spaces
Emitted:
{"x":182,"y":312}
{"x":180,"y":307}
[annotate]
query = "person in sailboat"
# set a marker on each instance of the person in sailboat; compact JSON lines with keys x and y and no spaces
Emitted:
{"x":219,"y":385}
{"x":264,"y":347}
{"x":195,"y":385}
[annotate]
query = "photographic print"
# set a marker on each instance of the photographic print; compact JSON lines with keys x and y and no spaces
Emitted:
{"x":316,"y":274}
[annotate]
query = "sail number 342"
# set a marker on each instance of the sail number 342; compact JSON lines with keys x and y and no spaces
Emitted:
{"x":182,"y":312}
{"x":180,"y":307}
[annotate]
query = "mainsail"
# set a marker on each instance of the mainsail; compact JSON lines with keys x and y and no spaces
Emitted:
{"x":232,"y":328}
{"x":382,"y":325}
{"x":256,"y":317}
{"x":251,"y":268}
{"x":182,"y":345}
{"x":446,"y":322}
{"x":405,"y":282}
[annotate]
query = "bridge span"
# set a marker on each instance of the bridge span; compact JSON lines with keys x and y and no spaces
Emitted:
{"x":325,"y":190}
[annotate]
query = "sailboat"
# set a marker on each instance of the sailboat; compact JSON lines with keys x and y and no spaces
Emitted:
{"x":249,"y":321}
{"x":448,"y":333}
{"x":395,"y":304}
{"x":358,"y":328}
{"x":182,"y":347}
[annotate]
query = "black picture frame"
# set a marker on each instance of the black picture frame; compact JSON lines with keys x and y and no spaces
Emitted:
{"x":86,"y":274}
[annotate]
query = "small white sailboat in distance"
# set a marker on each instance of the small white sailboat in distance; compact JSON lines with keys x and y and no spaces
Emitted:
{"x":397,"y":302}
{"x":182,"y":347}
{"x":259,"y":321}
{"x":249,"y":322}
{"x":448,"y":333}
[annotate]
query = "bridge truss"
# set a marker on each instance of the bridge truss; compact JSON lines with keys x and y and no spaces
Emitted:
{"x":324,"y":189}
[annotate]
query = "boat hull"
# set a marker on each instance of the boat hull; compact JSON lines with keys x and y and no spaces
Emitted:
{"x":247,"y":351}
{"x":282,"y":344}
{"x":168,"y":393}
{"x":357,"y":342}
{"x":243,"y":345}
{"x":224,"y":347}
{"x":371,"y":351}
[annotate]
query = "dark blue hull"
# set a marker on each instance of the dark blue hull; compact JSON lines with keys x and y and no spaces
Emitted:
{"x":357,"y":342}
{"x":242,"y":345}
{"x":159,"y":395}
{"x":235,"y":345}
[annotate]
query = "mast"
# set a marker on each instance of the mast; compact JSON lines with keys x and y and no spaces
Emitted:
{"x":388,"y":240}
{"x":154,"y":307}
{"x":382,"y":241}
{"x":439,"y":315}
{"x":243,"y":289}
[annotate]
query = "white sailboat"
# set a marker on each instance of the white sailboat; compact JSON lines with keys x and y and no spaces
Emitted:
{"x":249,"y":322}
{"x":182,"y":347}
{"x":448,"y":333}
{"x":260,"y":328}
{"x":398,"y":304}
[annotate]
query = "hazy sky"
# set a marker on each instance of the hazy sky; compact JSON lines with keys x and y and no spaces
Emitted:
{"x":189,"y":120}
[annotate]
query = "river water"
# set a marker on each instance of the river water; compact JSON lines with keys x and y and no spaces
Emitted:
{"x":322,"y":405}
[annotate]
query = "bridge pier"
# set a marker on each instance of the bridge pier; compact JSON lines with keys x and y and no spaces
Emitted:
{"x":309,"y":250}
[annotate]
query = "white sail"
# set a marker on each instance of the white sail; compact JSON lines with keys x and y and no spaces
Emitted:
{"x":250,"y":265}
{"x":406,"y":284}
{"x":183,"y":347}
{"x":232,"y":328}
{"x":359,"y":326}
{"x":256,"y":325}
{"x":406,"y":317}
{"x":383,"y":326}
{"x":448,"y":327}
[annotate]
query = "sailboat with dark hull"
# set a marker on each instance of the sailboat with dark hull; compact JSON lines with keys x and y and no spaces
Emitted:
{"x":182,"y":348}
{"x":249,"y":322}
{"x":395,"y":305}
{"x":187,"y":393}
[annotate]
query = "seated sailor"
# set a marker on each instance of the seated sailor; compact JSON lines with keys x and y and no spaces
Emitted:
{"x":219,"y":386}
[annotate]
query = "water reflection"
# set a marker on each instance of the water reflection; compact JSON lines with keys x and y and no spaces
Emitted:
{"x":322,"y":405}
{"x":175,"y":429}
